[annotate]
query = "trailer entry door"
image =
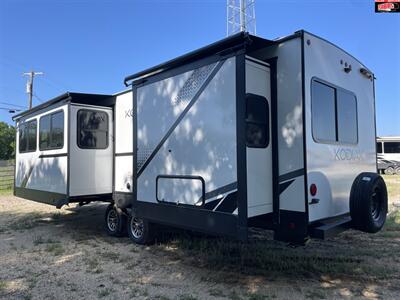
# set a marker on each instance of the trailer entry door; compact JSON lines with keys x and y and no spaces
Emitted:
{"x":91,"y":152}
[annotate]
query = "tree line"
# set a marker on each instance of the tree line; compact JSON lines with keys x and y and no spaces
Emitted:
{"x":7,"y":141}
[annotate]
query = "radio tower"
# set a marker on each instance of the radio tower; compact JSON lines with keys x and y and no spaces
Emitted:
{"x":241,"y":16}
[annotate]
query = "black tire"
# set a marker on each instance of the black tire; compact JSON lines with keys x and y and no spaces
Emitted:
{"x":368,"y":202}
{"x":115,"y":221}
{"x":141,"y":231}
{"x":389,"y":171}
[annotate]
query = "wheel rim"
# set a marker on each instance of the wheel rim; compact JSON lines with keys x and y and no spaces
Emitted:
{"x":137,"y":227}
{"x":376,"y":204}
{"x":112,"y":220}
{"x":389,"y":171}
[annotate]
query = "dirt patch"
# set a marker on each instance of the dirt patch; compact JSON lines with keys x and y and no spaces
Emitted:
{"x":48,"y":253}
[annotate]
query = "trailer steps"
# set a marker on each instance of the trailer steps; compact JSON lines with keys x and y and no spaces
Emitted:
{"x":330,"y":228}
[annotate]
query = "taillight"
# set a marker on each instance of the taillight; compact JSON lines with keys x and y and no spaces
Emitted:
{"x":313,"y":189}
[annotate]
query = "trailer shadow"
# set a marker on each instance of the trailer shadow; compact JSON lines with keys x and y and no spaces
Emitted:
{"x":352,"y":255}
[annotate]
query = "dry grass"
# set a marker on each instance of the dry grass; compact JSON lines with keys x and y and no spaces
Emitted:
{"x":65,"y":253}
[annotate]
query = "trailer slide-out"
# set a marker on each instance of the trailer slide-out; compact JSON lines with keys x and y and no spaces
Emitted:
{"x":277,"y":134}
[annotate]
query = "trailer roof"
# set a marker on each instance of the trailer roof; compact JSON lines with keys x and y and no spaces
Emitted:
{"x":234,"y":42}
{"x":69,"y":97}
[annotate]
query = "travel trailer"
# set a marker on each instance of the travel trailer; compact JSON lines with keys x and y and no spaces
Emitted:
{"x":277,"y":134}
{"x":388,"y":154}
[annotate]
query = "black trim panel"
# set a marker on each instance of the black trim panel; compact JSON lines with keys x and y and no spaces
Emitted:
{"x":291,"y":175}
{"x":192,"y":218}
{"x":229,"y":204}
{"x":40,"y":196}
{"x":292,"y":227}
{"x":53,"y":155}
{"x":241,"y":162}
{"x":124,"y":154}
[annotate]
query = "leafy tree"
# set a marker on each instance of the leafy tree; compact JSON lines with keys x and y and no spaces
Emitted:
{"x":7,"y":141}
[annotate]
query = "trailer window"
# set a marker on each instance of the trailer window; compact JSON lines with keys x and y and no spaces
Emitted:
{"x":346,"y":117}
{"x":27,"y":136}
{"x":334,"y":114}
{"x":92,"y":129}
{"x":51,"y":131}
{"x":392,"y":147}
{"x":379,"y":147}
{"x":323,"y":112}
{"x":257,"y":121}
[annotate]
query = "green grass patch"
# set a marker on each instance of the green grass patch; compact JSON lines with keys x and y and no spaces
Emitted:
{"x":25,"y":222}
{"x":55,"y":248}
{"x":3,"y":286}
{"x":7,"y":191}
{"x":393,"y":221}
{"x":93,"y":265}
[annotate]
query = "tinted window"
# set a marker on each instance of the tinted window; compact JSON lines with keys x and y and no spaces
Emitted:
{"x":92,"y":129}
{"x":57,"y":130}
{"x":51,"y":131}
{"x":27,"y":136}
{"x":346,"y":117}
{"x":323,"y":112}
{"x":392,"y":147}
{"x":44,"y":132}
{"x":379,"y":147}
{"x":257,"y":121}
{"x":23,"y":139}
{"x":334,"y":114}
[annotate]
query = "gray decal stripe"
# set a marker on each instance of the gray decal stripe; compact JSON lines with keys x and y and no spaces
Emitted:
{"x":183,"y":114}
{"x":285,"y":185}
{"x":221,"y":190}
{"x":26,"y":177}
{"x":291,"y":175}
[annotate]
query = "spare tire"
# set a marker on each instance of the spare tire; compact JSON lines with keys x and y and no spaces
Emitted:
{"x":368,"y":202}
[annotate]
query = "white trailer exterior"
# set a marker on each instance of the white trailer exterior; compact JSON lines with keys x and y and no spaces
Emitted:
{"x":388,"y":154}
{"x":244,"y":132}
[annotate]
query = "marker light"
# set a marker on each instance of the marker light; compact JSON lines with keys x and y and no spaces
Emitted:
{"x":313,"y":189}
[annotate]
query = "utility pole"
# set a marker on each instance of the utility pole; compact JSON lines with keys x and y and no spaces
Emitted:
{"x":29,"y":85}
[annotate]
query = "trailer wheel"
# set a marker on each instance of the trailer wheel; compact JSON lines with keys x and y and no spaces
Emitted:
{"x":397,"y":171}
{"x":141,"y":231}
{"x":115,"y":221}
{"x":389,"y":171}
{"x":368,"y":202}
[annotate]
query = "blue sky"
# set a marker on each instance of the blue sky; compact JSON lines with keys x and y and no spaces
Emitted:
{"x":91,"y":45}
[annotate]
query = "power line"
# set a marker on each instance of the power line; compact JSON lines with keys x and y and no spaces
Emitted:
{"x":38,"y":98}
{"x":17,"y":105}
{"x":10,"y":110}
